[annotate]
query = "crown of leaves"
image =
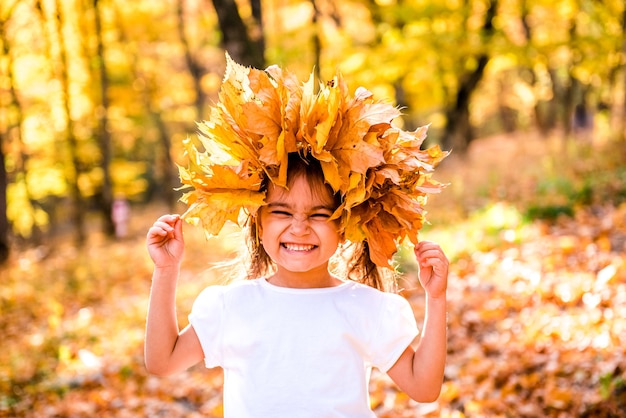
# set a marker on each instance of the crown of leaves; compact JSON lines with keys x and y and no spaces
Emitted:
{"x":380,"y":170}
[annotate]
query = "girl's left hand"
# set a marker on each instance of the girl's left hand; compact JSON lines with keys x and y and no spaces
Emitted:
{"x":433,"y":268}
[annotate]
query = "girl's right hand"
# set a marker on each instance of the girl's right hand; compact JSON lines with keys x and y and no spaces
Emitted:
{"x":165,"y":241}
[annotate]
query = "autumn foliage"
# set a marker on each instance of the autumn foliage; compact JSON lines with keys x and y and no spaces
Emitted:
{"x":537,"y":307}
{"x":380,"y":170}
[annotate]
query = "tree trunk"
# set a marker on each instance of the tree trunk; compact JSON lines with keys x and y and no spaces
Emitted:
{"x":621,"y":125}
{"x":572,"y":89}
{"x":4,"y":181}
{"x":458,"y":130}
{"x":195,"y":69}
{"x":5,"y":228}
{"x":170,"y":178}
{"x":14,"y":124}
{"x":105,"y":195}
{"x":4,"y":221}
{"x":544,"y":111}
{"x":78,"y":210}
{"x":259,"y":38}
{"x":317,"y":43}
{"x":243,"y":48}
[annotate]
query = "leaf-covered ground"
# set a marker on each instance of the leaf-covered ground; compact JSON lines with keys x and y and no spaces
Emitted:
{"x":537,"y":308}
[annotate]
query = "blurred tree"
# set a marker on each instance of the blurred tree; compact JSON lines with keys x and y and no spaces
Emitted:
{"x":621,"y":67}
{"x":4,"y":221}
{"x":195,"y":69}
{"x":573,"y":91}
{"x":107,"y":86}
{"x":245,"y":45}
{"x":4,"y":133}
{"x":74,"y":171}
{"x":545,"y":109}
{"x":458,"y":129}
{"x":12,"y":138}
{"x":317,"y":42}
{"x":105,"y":193}
{"x":147,"y":89}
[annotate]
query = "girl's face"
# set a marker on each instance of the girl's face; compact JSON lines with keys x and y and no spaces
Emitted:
{"x":296,"y":233}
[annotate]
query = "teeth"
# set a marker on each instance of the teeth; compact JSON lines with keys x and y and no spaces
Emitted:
{"x":298,"y":247}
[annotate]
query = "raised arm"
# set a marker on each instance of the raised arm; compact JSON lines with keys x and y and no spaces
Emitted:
{"x":419,"y":372}
{"x":166,"y":349}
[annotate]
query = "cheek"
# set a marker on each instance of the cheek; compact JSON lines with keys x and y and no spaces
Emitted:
{"x":339,"y":230}
{"x":266,"y":229}
{"x":333,"y":231}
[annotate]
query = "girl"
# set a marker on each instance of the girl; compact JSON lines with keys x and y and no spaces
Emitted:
{"x":297,"y":340}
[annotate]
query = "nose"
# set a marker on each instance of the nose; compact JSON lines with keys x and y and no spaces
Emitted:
{"x":300,"y":224}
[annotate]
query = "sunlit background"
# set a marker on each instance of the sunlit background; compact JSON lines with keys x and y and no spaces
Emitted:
{"x":530,"y":96}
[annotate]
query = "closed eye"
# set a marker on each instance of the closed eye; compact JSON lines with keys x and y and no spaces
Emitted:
{"x":281,"y":213}
{"x":320,"y":216}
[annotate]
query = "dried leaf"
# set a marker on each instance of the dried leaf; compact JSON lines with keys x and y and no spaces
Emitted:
{"x":261,"y":116}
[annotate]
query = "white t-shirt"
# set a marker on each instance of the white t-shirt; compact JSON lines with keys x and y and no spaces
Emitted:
{"x":298,"y":353}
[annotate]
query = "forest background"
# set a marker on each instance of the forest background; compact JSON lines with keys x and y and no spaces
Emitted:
{"x":97,"y":96}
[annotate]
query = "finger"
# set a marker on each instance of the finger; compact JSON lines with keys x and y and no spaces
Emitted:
{"x":427,"y":245}
{"x":160,"y":230}
{"x":429,"y":250}
{"x":169,"y":219}
{"x":431,"y":259}
{"x":438,"y":269}
{"x":178,"y":225}
{"x":157,"y":234}
{"x":156,"y":231}
{"x":422,"y":251}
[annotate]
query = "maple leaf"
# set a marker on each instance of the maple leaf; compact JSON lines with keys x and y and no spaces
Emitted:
{"x":220,"y":192}
{"x":225,"y":177}
{"x":356,"y":192}
{"x":221,"y":133}
{"x":426,"y":184}
{"x":276,"y":150}
{"x":381,"y":232}
{"x":353,"y":152}
{"x":380,"y":171}
{"x":323,"y":114}
{"x":213,"y":209}
{"x":403,"y":208}
{"x":377,"y":113}
{"x":357,"y":157}
{"x":354,"y":220}
{"x":331,"y":174}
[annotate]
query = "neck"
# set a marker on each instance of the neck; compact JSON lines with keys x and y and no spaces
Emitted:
{"x":308,"y":280}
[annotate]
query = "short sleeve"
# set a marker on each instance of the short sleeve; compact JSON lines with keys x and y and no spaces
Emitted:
{"x":207,"y":319}
{"x":396,"y":330}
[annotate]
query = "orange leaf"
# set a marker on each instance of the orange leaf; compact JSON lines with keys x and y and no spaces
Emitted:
{"x":213,"y":209}
{"x":381,"y":234}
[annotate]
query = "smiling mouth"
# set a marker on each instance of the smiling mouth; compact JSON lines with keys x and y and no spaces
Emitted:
{"x":298,"y":247}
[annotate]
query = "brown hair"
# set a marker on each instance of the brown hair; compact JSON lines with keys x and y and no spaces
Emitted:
{"x":353,"y":259}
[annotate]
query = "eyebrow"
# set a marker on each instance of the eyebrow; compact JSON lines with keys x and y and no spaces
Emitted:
{"x":288,"y":206}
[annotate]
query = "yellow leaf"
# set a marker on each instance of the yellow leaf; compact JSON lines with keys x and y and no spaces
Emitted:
{"x":356,"y":192}
{"x":380,"y":171}
{"x":324,"y":114}
{"x":331,"y":174}
{"x":222,"y":177}
{"x":213,"y":209}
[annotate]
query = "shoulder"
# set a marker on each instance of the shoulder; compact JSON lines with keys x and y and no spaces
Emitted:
{"x":373,"y":300}
{"x":366,"y":291}
{"x":217,"y":291}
